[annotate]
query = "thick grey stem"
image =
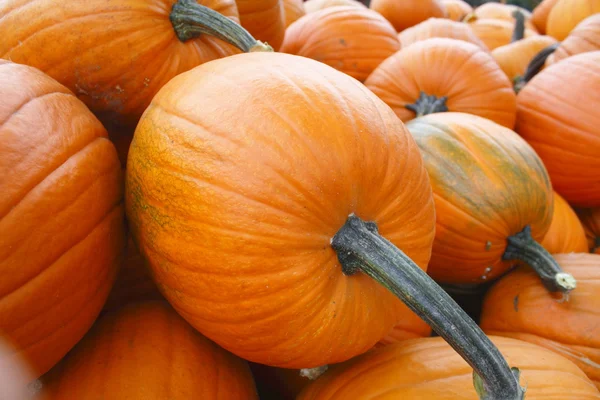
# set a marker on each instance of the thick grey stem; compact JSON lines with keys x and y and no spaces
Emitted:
{"x":360,"y":247}
{"x":427,"y":104}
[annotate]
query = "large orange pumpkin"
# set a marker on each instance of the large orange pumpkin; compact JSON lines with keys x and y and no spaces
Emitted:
{"x":566,"y":234}
{"x":493,"y":200}
{"x":566,"y":14}
{"x":406,"y":13}
{"x":61,"y":216}
{"x":540,"y":14}
{"x":264,"y":19}
{"x":437,"y":75}
{"x":518,"y":306}
{"x":496,"y":32}
{"x":456,"y":10}
{"x":115,"y":71}
{"x":583,"y":38}
{"x":430,"y":369}
{"x":441,"y":28}
{"x":146,"y":351}
{"x":254,"y":222}
{"x":562,"y":128}
{"x":294,"y":9}
{"x":316,"y":5}
{"x":590,"y":218}
{"x":350,"y":39}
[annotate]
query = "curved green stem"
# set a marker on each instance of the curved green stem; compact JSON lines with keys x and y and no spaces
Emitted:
{"x":360,"y":248}
{"x":535,"y":66}
{"x":519,"y":32}
{"x":522,"y":247}
{"x":190,"y":20}
{"x":427,"y":104}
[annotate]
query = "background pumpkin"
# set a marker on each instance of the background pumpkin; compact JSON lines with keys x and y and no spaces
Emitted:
{"x":503,"y":12}
{"x":495,"y":32}
{"x":590,"y":219}
{"x":439,"y":27}
{"x":466,"y":76}
{"x":566,"y":234}
{"x":407,"y":13}
{"x":566,"y":14}
{"x":540,"y":14}
{"x":264,"y":19}
{"x":562,"y":128}
{"x":147,"y":351}
{"x":350,"y":39}
{"x":61,"y":209}
{"x":430,"y":369}
{"x":518,"y":306}
{"x":456,"y":10}
{"x":46,"y":34}
{"x":583,"y":38}
{"x":293,"y":9}
{"x":316,"y":5}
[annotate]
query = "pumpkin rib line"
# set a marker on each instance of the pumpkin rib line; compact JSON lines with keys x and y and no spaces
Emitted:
{"x":29,"y":101}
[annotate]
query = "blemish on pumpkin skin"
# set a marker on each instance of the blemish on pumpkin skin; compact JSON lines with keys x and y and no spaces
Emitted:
{"x":516,"y":303}
{"x":343,"y":42}
{"x":488,"y":245}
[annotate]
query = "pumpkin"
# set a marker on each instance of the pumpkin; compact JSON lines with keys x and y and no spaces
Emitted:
{"x":540,"y":14}
{"x":407,"y":13}
{"x":493,"y":200}
{"x":504,"y":12}
{"x":154,"y":41}
{"x":562,"y":129}
{"x":495,"y":32}
{"x":316,"y":5}
{"x":439,"y":27}
{"x":350,"y":39}
{"x":517,"y":306}
{"x":566,"y":14}
{"x":590,"y":218}
{"x":253,"y":223}
{"x":61,"y":216}
{"x":437,"y":75}
{"x":133,"y":282}
{"x":293,"y":9}
{"x":566,"y":234}
{"x":264,"y":19}
{"x":456,"y":10}
{"x":430,"y":369}
{"x":147,"y":351}
{"x":585,"y":37}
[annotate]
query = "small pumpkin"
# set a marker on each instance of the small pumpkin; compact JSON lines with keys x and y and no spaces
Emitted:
{"x":567,"y":14}
{"x":562,"y":128}
{"x":583,"y":38}
{"x":540,"y":14}
{"x":437,"y":75}
{"x":504,"y":12}
{"x":590,"y":218}
{"x":294,"y":9}
{"x":430,"y":369}
{"x":350,"y":39}
{"x":566,"y":233}
{"x":518,"y":306}
{"x":496,"y":32}
{"x":439,"y":27}
{"x":493,"y":200}
{"x":407,"y":13}
{"x":262,"y":228}
{"x":61,"y":216}
{"x":316,"y":5}
{"x":456,"y":10}
{"x":264,"y":19}
{"x":146,"y":351}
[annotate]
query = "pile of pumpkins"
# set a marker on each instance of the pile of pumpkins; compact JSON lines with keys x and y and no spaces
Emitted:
{"x":279,"y":199}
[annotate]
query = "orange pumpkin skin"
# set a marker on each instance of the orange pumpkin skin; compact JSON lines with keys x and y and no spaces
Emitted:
{"x":563,"y":129}
{"x":463,"y":72}
{"x":456,"y":10}
{"x":156,"y":355}
{"x":495,"y":32}
{"x":585,"y":37}
{"x":430,"y":369}
{"x":350,"y":39}
{"x":590,"y":218}
{"x":407,"y":13}
{"x":264,"y":19}
{"x":566,"y":234}
{"x":241,"y":248}
{"x":514,"y":57}
{"x":488,"y":184}
{"x":566,"y":14}
{"x":503,"y":12}
{"x":540,"y":14}
{"x":115,"y":88}
{"x":61,"y":209}
{"x":441,"y":28}
{"x":315,"y":5}
{"x":518,"y":306}
{"x":294,"y":9}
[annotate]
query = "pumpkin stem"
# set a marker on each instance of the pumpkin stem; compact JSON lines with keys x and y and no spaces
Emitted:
{"x":522,"y":247}
{"x":519,"y":32}
{"x":535,"y":65}
{"x":360,"y":248}
{"x":426,"y":104}
{"x":190,"y":20}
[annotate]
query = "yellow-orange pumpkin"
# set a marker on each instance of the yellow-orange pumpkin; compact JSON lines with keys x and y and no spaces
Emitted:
{"x":566,"y":14}
{"x":406,"y":13}
{"x":456,"y":10}
{"x":441,"y":28}
{"x":566,"y":234}
{"x":583,"y":38}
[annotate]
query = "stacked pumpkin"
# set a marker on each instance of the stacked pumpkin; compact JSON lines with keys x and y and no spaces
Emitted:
{"x":308,"y":186}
